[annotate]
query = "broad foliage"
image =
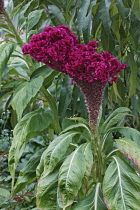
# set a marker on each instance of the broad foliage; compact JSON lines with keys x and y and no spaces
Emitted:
{"x":51,"y":158}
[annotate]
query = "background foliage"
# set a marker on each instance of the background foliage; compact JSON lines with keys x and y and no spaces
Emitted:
{"x":37,"y":102}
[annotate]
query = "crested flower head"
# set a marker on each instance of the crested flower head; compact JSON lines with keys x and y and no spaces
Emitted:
{"x":52,"y":46}
{"x":1,"y":6}
{"x":59,"y":49}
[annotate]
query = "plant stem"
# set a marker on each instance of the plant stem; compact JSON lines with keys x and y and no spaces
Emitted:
{"x":93,"y":93}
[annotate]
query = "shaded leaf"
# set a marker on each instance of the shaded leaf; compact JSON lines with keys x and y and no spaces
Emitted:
{"x":56,"y":15}
{"x":24,"y":94}
{"x":4,"y":192}
{"x":70,"y":176}
{"x":121,"y":186}
{"x":28,"y":173}
{"x":130,"y":149}
{"x":136,"y":8}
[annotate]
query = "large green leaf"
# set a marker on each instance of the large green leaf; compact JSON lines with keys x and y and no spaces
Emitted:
{"x":24,"y":94}
{"x":129,"y":133}
{"x":93,"y":201}
{"x":5,"y":53}
{"x":47,"y":192}
{"x":82,"y":14}
{"x":121,"y":186}
{"x":87,"y":151}
{"x":54,"y":153}
{"x":136,"y":8}
{"x":28,"y":173}
{"x":130,"y":149}
{"x":116,"y":117}
{"x":34,"y":18}
{"x":30,"y":125}
{"x":70,"y":177}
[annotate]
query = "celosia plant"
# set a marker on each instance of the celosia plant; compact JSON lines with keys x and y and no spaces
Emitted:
{"x":1,"y":6}
{"x":59,"y":49}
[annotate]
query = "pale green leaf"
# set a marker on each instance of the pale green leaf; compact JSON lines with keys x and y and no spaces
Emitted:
{"x":116,"y":117}
{"x":70,"y":176}
{"x":30,"y":125}
{"x":5,"y":193}
{"x":5,"y":53}
{"x":56,"y":15}
{"x":34,"y":18}
{"x":24,"y":94}
{"x":47,"y":192}
{"x":121,"y":186}
{"x":93,"y":201}
{"x":54,"y":153}
{"x":130,"y":149}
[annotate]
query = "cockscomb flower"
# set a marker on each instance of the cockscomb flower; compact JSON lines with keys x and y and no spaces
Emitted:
{"x":59,"y":49}
{"x":1,"y":7}
{"x":52,"y":46}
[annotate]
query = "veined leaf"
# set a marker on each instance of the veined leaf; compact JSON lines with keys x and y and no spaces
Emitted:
{"x":54,"y":153}
{"x":76,"y":127}
{"x":93,"y":201}
{"x":33,"y":18}
{"x":121,"y":186}
{"x":114,"y":118}
{"x":87,"y":151}
{"x":24,"y":94}
{"x":129,"y":133}
{"x":47,"y":192}
{"x":5,"y":53}
{"x":30,"y":125}
{"x":136,"y":8}
{"x":28,"y":173}
{"x":130,"y":149}
{"x":70,"y":176}
{"x":82,"y":14}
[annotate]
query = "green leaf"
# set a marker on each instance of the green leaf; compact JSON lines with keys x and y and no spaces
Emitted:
{"x":82,"y":14}
{"x":56,"y":15}
{"x":129,"y":133}
{"x":121,"y":186}
{"x":123,"y":11}
{"x":136,"y":8}
{"x":54,"y":153}
{"x":70,"y":176}
{"x":43,"y":70}
{"x":130,"y":149}
{"x":117,"y":116}
{"x":30,"y":125}
{"x":133,"y":75}
{"x":105,"y":15}
{"x":5,"y":193}
{"x":34,"y":18}
{"x":89,"y":159}
{"x":5,"y":53}
{"x":93,"y":201}
{"x":47,"y":192}
{"x":28,"y":173}
{"x":24,"y":94}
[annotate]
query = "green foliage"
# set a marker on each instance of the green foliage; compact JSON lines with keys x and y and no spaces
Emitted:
{"x":53,"y":151}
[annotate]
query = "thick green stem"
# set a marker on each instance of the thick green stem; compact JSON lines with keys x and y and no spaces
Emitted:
{"x":19,"y":41}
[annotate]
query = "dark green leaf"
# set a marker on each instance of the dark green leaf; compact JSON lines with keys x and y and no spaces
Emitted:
{"x":33,"y":18}
{"x":56,"y":15}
